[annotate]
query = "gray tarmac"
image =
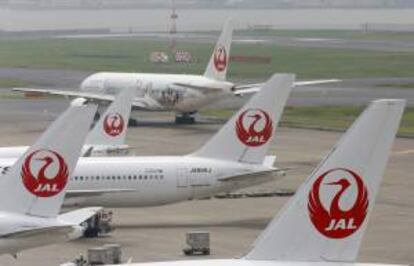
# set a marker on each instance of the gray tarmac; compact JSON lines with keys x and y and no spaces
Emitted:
{"x":154,"y":234}
{"x":287,"y":41}
{"x":354,"y":92}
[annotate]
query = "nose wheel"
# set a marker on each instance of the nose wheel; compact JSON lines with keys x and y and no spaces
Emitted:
{"x":185,"y":118}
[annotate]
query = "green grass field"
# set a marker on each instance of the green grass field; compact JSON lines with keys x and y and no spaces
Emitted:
{"x":326,"y":118}
{"x":133,"y":55}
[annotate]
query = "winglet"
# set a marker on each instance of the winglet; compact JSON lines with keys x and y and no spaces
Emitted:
{"x":219,"y":61}
{"x":327,"y":218}
{"x":35,"y":184}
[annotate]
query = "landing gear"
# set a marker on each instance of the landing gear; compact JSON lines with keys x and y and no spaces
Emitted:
{"x":185,"y":118}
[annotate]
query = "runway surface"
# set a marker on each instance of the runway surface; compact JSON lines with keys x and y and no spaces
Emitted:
{"x":336,"y":43}
{"x":154,"y":234}
{"x":349,"y":92}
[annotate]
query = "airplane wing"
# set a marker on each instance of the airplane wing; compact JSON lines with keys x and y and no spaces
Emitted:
{"x":241,"y":90}
{"x":69,"y":221}
{"x":94,"y":192}
{"x":265,"y":173}
{"x":140,"y":103}
{"x":70,"y":93}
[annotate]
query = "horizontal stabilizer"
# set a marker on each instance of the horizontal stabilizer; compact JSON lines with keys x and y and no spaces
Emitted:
{"x":79,"y":216}
{"x":41,"y":232}
{"x":248,"y":176}
{"x":95,"y":192}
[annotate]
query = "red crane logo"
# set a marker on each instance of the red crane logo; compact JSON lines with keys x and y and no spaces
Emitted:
{"x":114,"y":124}
{"x":254,"y":127}
{"x":336,"y":222}
{"x":220,"y":58}
{"x":46,"y":179}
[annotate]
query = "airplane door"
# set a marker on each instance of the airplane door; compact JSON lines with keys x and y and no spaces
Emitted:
{"x":182,"y":177}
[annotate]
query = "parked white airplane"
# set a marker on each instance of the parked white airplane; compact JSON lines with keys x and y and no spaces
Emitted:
{"x":323,"y":224}
{"x":234,"y":158}
{"x":32,"y":191}
{"x":183,"y":94}
{"x":108,"y":135}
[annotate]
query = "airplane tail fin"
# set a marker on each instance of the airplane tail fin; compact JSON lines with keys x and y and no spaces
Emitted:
{"x":327,"y":218}
{"x":219,"y":61}
{"x":35,"y":184}
{"x":111,"y":128}
{"x":246,"y":137}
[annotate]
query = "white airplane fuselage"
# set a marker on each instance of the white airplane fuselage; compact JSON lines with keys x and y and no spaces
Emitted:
{"x":151,"y":181}
{"x":161,"y":92}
